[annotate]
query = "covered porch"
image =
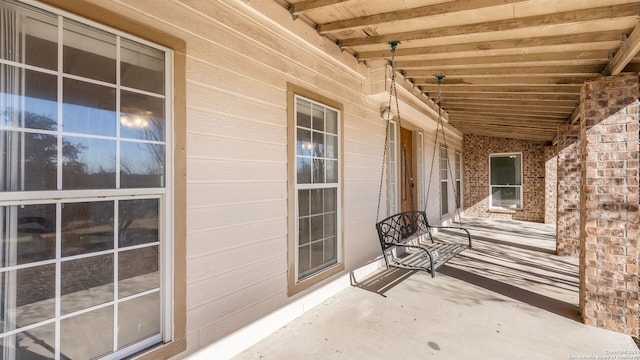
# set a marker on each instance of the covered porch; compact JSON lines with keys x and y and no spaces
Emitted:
{"x":508,"y":297}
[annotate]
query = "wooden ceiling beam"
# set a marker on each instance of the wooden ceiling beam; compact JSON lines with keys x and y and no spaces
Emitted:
{"x":501,"y":117}
{"x":414,"y":13}
{"x":592,"y":70}
{"x":569,"y":104}
{"x":308,"y":5}
{"x":516,"y":96}
{"x":505,"y":132}
{"x":510,"y":109}
{"x":571,"y":39}
{"x":529,"y":90}
{"x":605,"y":12}
{"x":626,"y":53}
{"x":540,"y":80}
{"x":528,"y":59}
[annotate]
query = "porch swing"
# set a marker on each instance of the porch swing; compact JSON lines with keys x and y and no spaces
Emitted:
{"x":406,"y":238}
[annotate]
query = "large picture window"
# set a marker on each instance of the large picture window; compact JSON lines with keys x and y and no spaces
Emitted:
{"x":505,"y":172}
{"x":84,"y":191}
{"x":315,"y":249}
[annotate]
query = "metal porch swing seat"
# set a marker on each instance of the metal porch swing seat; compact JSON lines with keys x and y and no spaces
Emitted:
{"x":406,"y":238}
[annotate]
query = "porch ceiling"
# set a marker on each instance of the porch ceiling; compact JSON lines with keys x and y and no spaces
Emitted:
{"x":513,"y":68}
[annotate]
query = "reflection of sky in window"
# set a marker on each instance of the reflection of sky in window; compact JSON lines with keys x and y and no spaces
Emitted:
{"x":141,"y":159}
{"x":88,"y":120}
{"x":44,"y":108}
{"x":97,"y":154}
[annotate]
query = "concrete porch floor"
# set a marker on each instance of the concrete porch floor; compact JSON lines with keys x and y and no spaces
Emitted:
{"x":507,"y":298}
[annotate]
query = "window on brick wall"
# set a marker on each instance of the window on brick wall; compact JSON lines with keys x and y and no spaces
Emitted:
{"x":505,"y":172}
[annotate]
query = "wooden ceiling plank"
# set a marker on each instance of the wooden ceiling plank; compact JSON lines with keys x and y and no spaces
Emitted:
{"x":522,"y":70}
{"x":308,"y":5}
{"x":521,"y":60}
{"x":531,"y":90}
{"x":413,"y":13}
{"x":510,"y":109}
{"x":605,"y":12}
{"x":533,"y":102}
{"x":626,"y":53}
{"x":571,"y":39}
{"x":516,"y":96}
{"x":540,"y":80}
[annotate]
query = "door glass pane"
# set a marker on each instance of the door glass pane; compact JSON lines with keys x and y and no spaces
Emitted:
{"x":88,"y":335}
{"x":141,"y":116}
{"x":444,"y":198}
{"x":88,"y":163}
{"x":138,"y":319}
{"x":141,"y":165}
{"x":88,"y":108}
{"x":138,"y":222}
{"x":141,"y":67}
{"x":86,"y":282}
{"x":137,"y":271}
{"x":89,"y":52}
{"x":87,"y":227}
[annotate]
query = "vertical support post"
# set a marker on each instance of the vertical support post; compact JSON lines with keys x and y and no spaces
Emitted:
{"x":568,"y":191}
{"x":609,"y":203}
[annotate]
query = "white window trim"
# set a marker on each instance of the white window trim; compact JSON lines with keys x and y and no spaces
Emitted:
{"x":337,"y":186}
{"x":491,"y":206}
{"x":458,"y":179}
{"x":441,"y":181}
{"x":165,"y":194}
{"x":392,"y":171}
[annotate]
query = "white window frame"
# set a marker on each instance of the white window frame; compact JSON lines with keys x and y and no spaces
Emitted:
{"x":392,"y":171}
{"x":164,"y":194}
{"x":337,"y":185}
{"x":458,"y":175}
{"x":444,"y":180}
{"x":420,"y":169}
{"x":520,"y":186}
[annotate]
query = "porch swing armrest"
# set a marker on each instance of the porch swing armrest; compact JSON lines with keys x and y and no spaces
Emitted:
{"x":454,"y":228}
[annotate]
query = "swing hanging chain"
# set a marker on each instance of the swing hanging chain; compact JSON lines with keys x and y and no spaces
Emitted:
{"x":440,"y":126}
{"x":387,"y":129}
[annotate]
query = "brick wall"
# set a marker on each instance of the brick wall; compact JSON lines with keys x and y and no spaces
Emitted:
{"x":550,"y":185}
{"x":476,"y":177}
{"x":609,"y":203}
{"x":569,"y":167}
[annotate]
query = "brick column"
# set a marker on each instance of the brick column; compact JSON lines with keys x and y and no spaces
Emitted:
{"x":609,"y":203}
{"x":550,"y":185}
{"x":568,"y":216}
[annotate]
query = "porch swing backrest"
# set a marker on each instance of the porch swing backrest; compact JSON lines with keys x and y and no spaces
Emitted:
{"x":408,"y":241}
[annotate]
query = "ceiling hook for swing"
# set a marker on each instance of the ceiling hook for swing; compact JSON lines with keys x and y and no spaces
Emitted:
{"x":394,"y":45}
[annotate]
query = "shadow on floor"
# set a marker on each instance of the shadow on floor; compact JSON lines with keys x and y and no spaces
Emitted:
{"x":382,"y":281}
{"x":570,"y":311}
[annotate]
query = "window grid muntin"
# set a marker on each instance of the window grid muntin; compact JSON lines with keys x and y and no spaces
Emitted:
{"x":162,"y":193}
{"x":518,"y":187}
{"x":308,"y":273}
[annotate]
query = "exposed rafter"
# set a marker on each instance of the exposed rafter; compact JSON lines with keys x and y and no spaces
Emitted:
{"x":605,"y":12}
{"x":628,"y":50}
